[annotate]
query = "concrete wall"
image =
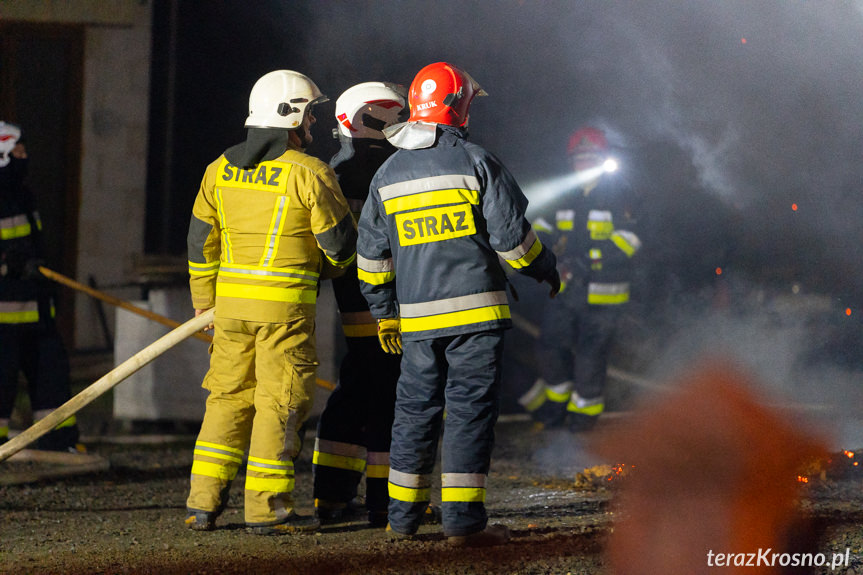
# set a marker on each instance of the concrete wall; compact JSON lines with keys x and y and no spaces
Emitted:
{"x":114,"y":141}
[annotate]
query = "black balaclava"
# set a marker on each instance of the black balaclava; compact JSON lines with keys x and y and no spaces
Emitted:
{"x":261,"y":145}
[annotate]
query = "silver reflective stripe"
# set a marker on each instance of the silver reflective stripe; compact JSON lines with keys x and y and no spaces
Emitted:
{"x":267,"y":273}
{"x":608,"y":289}
{"x":274,"y":233}
{"x":18,"y":306}
{"x":14,"y":221}
{"x":452,"y":304}
{"x":339,"y":448}
{"x":520,"y":249}
{"x":374,"y":266}
{"x":463,"y":479}
{"x":447,"y":182}
{"x":378,"y":458}
{"x":561,"y":388}
{"x":599,"y":216}
{"x":411,"y":480}
{"x":536,"y":390}
{"x":565,"y":215}
{"x":579,"y":401}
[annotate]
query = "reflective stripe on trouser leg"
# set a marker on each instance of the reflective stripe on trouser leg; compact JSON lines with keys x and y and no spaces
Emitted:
{"x":416,"y":431}
{"x":472,"y":404}
{"x":338,"y":467}
{"x":410,"y":494}
{"x":593,"y":406}
{"x":553,"y":410}
{"x":377,"y":474}
{"x":227,"y":423}
{"x":285,"y":367}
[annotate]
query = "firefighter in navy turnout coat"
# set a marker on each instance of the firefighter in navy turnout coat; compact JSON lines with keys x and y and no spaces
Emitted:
{"x":354,"y":428}
{"x":594,"y":254}
{"x":29,"y":340}
{"x":441,"y":213}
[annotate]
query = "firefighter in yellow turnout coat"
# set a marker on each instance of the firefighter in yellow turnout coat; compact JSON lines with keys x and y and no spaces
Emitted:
{"x":263,"y":216}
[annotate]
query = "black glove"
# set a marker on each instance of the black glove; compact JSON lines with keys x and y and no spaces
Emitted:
{"x":553,"y":279}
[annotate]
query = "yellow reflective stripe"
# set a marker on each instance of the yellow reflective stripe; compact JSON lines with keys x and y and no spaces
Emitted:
{"x":264,"y":277}
{"x":30,"y":316}
{"x":4,"y":431}
{"x":67,"y":423}
{"x":555,"y":396}
{"x":356,"y":330}
{"x":217,"y":455}
{"x":210,"y":469}
{"x":269,"y":484}
{"x":378,"y":471}
{"x":457,"y":318}
{"x":625,"y":246}
{"x":271,"y":465}
{"x":528,"y":258}
{"x":432,"y":198}
{"x":14,"y":232}
{"x":535,"y":403}
{"x":375,"y":278}
{"x":216,"y":446}
{"x":277,"y":224}
{"x":408,"y":494}
{"x":463,"y":494}
{"x":205,"y":269}
{"x":587,"y":410}
{"x":565,"y":225}
{"x":265,"y":293}
{"x":226,"y":238}
{"x":338,"y":461}
{"x":341,"y":263}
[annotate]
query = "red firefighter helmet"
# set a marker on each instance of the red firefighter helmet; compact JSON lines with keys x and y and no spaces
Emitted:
{"x":441,"y":93}
{"x":587,"y":140}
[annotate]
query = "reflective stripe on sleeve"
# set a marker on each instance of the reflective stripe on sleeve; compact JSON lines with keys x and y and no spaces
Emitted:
{"x":205,"y":269}
{"x":375,"y":272}
{"x":524,"y":254}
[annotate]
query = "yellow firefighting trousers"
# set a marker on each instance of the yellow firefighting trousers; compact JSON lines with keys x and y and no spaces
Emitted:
{"x":261,"y":383}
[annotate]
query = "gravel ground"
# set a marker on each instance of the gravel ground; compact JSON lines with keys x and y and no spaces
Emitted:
{"x":128,"y":518}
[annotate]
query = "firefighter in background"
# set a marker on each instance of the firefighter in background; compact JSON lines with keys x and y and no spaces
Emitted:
{"x":29,"y":340}
{"x":354,"y":428}
{"x":440,"y":213}
{"x":594,"y":253}
{"x":264,"y":214}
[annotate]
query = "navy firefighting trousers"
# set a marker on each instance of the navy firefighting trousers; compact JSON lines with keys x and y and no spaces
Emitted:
{"x":462,"y":375}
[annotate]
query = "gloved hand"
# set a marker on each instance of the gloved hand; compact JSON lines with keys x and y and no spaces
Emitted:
{"x":389,"y":335}
{"x":553,"y":280}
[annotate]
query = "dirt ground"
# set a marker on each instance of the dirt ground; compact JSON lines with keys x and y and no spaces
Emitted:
{"x":128,"y":518}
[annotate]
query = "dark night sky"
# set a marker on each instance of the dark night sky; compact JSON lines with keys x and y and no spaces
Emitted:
{"x":726,"y":112}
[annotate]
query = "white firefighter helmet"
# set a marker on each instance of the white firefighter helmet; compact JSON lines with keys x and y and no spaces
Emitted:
{"x":364,"y":110}
{"x":280,"y":99}
{"x":9,"y":136}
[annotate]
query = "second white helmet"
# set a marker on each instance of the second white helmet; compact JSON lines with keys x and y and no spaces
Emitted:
{"x":364,"y":110}
{"x":280,"y":99}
